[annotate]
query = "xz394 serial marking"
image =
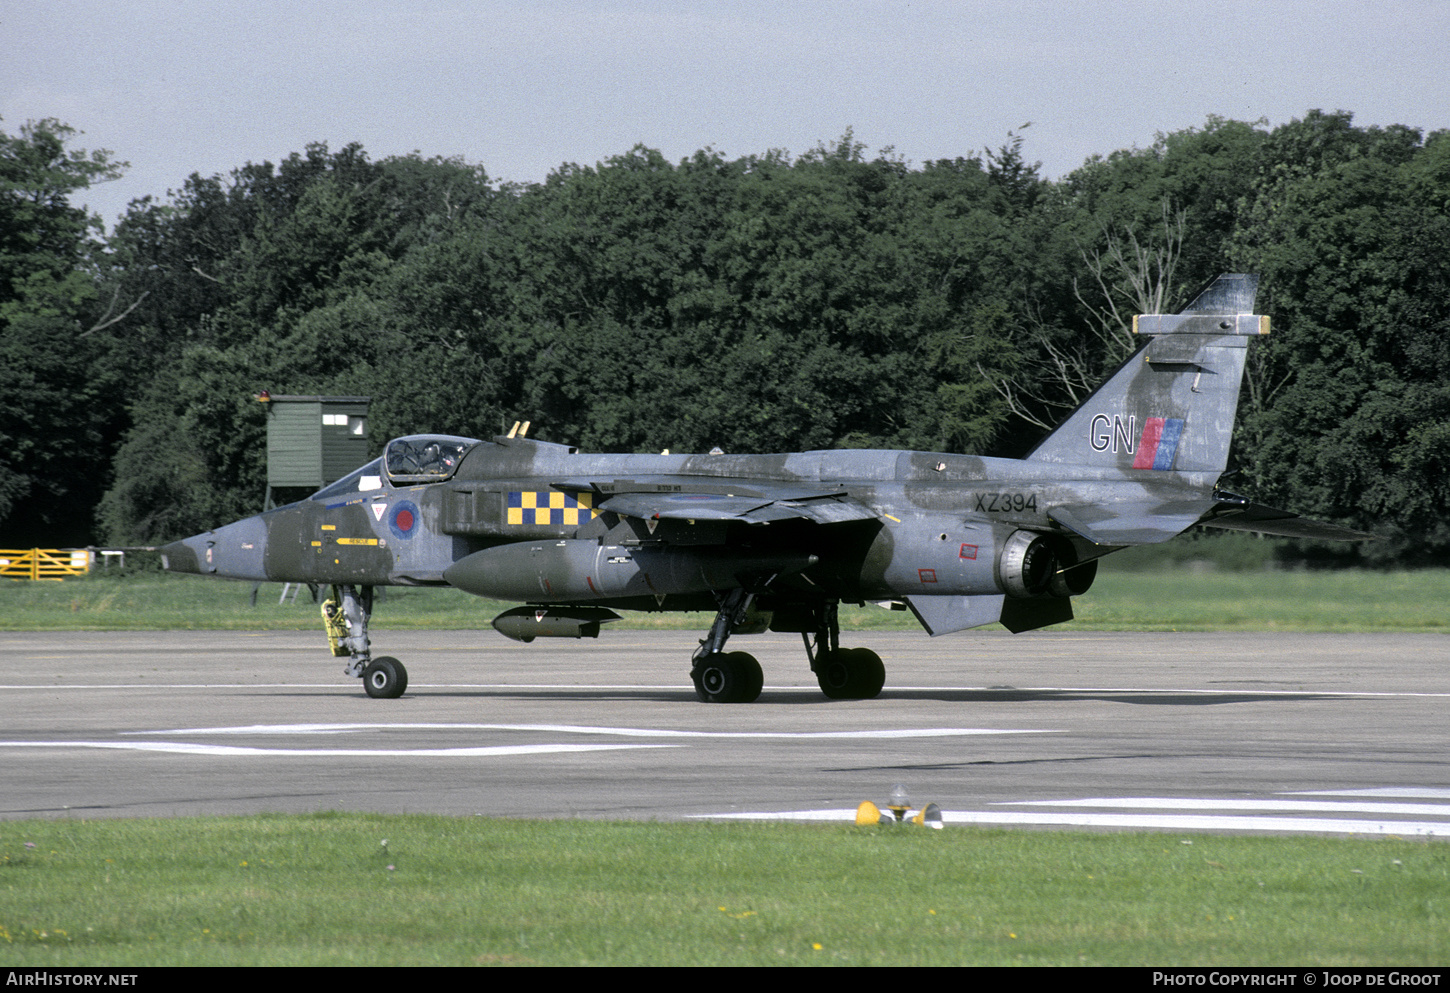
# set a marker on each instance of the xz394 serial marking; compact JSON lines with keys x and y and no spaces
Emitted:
{"x":991,"y":503}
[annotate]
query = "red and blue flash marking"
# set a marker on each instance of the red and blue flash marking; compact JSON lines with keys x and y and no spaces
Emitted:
{"x":1159,"y":443}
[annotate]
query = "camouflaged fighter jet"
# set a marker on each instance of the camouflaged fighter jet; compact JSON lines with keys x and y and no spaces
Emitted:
{"x":778,"y":541}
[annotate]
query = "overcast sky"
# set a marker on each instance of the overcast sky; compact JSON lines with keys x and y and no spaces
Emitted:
{"x":205,"y":85}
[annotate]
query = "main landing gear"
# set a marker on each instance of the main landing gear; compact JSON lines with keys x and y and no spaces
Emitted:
{"x":345,"y":615}
{"x":843,"y":673}
{"x":735,"y":677}
{"x":727,"y":677}
{"x":722,"y":677}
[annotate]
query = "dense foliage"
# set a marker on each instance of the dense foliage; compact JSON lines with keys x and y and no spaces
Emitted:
{"x":58,"y":422}
{"x":766,"y":303}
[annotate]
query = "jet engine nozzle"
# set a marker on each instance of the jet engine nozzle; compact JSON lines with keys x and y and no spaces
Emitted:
{"x":1036,"y":565}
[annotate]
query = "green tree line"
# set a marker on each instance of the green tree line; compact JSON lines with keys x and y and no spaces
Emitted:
{"x":773,"y":302}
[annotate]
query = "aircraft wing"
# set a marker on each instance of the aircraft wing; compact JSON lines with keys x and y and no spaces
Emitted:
{"x":1245,"y":516}
{"x":762,"y":508}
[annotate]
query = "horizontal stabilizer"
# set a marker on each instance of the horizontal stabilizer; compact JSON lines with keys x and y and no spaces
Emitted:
{"x":1260,"y":519}
{"x":1239,"y":324}
{"x":1131,"y":524}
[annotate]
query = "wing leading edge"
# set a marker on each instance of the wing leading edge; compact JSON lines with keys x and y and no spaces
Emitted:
{"x":766,"y":506}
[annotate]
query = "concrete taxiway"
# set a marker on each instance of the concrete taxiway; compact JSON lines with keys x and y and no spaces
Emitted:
{"x":1338,"y":733}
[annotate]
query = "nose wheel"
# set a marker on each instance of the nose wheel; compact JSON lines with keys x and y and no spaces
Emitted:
{"x":385,"y":678}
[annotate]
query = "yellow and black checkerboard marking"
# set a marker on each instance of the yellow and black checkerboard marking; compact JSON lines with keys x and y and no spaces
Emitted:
{"x":550,"y":507}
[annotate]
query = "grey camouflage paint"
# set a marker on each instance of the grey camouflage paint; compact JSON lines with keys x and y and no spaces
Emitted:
{"x":962,"y":540}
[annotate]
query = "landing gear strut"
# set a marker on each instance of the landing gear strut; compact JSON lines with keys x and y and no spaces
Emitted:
{"x":734,"y":677}
{"x":345,"y":616}
{"x":843,"y":673}
{"x":720,"y":676}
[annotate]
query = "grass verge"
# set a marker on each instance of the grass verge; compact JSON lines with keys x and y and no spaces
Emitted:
{"x":1178,"y":599}
{"x":354,"y":889}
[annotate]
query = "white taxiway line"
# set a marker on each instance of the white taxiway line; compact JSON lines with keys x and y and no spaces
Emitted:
{"x":1398,"y":792}
{"x":185,"y":748}
{"x":680,"y":739}
{"x":1208,"y":822}
{"x":588,"y":729}
{"x":1288,"y":806}
{"x":812,"y":690}
{"x":1155,"y":822}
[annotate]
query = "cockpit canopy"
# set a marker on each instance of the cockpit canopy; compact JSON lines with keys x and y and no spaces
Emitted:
{"x":417,"y":458}
{"x":425,"y":458}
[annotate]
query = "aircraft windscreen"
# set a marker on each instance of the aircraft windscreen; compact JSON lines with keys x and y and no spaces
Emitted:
{"x":425,"y":458}
{"x":369,"y":477}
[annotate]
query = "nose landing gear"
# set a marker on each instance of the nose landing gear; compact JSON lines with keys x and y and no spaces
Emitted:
{"x":345,"y":616}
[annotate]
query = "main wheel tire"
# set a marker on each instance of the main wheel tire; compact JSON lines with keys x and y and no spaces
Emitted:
{"x":753,"y":679}
{"x":727,"y":677}
{"x":385,"y":678}
{"x":850,"y":674}
{"x":870,"y":673}
{"x":833,"y":673}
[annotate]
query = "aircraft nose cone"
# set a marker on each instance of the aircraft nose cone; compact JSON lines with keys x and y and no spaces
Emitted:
{"x":180,"y":556}
{"x":232,"y":552}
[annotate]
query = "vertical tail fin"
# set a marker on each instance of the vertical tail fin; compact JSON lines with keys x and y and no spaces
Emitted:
{"x":1171,"y":405}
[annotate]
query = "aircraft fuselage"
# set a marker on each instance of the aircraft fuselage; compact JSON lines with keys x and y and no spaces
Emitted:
{"x":779,"y":541}
{"x":532,"y":511}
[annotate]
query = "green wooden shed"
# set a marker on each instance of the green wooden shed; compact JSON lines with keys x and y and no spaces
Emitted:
{"x":313,"y":440}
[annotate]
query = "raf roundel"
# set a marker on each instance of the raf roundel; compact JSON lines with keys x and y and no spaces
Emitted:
{"x":403,"y":519}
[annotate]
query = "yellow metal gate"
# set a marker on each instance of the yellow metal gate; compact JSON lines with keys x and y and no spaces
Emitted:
{"x":43,"y":563}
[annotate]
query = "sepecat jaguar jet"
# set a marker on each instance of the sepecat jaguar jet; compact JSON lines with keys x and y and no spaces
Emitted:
{"x":777,"y":542}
